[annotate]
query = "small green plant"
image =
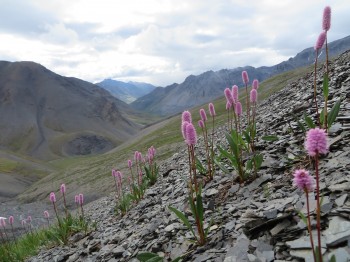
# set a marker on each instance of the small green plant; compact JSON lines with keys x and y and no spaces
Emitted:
{"x":123,"y":204}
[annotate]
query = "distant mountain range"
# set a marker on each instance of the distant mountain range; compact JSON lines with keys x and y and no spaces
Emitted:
{"x":127,"y":92}
{"x":197,"y":90}
{"x":46,"y":115}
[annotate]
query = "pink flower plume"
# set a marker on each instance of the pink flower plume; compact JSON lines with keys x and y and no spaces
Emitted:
{"x":326,"y":21}
{"x":316,"y":142}
{"x":303,"y":180}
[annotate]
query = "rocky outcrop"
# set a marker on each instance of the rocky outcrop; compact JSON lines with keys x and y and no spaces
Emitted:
{"x":256,"y":221}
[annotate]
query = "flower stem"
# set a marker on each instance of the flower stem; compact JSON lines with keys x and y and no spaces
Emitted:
{"x":309,"y":224}
{"x":318,"y":226}
{"x":315,"y":92}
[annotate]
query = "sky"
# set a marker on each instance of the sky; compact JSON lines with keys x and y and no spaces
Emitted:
{"x":161,"y":41}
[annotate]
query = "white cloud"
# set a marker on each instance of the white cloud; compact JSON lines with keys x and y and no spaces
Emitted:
{"x":161,"y":41}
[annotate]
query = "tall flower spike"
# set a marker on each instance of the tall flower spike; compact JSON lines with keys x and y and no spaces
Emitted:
{"x":212,"y":109}
{"x":183,"y":129}
{"x":228,"y":95}
{"x":245,"y":77}
{"x":129,"y":163}
{"x":136,"y":155}
{"x":46,"y":214}
{"x":316,"y":142}
{"x":191,"y":135}
{"x":63,"y":188}
{"x":203,"y":114}
{"x":235,"y":93}
{"x":186,"y":116}
{"x":320,"y":41}
{"x":326,"y":22}
{"x":253,"y":96}
{"x":3,"y":222}
{"x":238,"y":109}
{"x":228,"y":105}
{"x":76,"y":199}
{"x":255,"y":84}
{"x":303,"y":180}
{"x":201,"y":123}
{"x":11,"y":220}
{"x":52,"y":197}
{"x":81,"y":199}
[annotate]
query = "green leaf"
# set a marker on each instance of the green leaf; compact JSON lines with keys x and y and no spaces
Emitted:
{"x":270,"y":138}
{"x":221,"y":166}
{"x":143,"y":257}
{"x":318,"y":259}
{"x":333,"y":259}
{"x":249,"y":165}
{"x":184,"y":219}
{"x":178,"y":259}
{"x":322,"y":117}
{"x":258,"y":161}
{"x":325,"y":85}
{"x":208,"y":228}
{"x":333,"y":113}
{"x":246,"y":136}
{"x":302,"y":216}
{"x":200,"y":167}
{"x":309,"y":121}
{"x":230,"y":157}
{"x":200,"y":210}
{"x":233,"y":144}
{"x":155,"y":259}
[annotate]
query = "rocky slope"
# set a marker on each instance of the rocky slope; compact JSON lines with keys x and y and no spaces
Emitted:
{"x":196,"y":90}
{"x":46,"y":115}
{"x":256,"y":221}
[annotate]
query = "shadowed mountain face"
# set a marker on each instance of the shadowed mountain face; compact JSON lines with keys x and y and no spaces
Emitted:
{"x":127,"y":92}
{"x":197,"y":90}
{"x":46,"y":115}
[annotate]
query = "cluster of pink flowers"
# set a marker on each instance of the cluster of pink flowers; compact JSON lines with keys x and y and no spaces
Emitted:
{"x":188,"y":130}
{"x":326,"y":25}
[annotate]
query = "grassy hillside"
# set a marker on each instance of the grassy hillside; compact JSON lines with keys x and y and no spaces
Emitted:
{"x":92,"y":175}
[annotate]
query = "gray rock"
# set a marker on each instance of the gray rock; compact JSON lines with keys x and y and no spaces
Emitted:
{"x":341,"y":200}
{"x":338,"y":231}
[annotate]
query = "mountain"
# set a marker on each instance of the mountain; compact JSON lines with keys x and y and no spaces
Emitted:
{"x":127,"y":92}
{"x":46,"y":115}
{"x":196,"y":90}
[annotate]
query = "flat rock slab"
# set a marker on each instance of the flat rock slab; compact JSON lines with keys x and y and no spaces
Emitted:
{"x":338,"y":231}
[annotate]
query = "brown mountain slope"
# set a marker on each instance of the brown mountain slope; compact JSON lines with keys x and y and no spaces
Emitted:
{"x":46,"y":115}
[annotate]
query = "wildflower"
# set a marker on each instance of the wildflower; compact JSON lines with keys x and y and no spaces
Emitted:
{"x":235,"y":93}
{"x":201,"y":123}
{"x":11,"y":219}
{"x":203,"y":114}
{"x":46,"y":214}
{"x":212,"y":109}
{"x":303,"y":180}
{"x":326,"y":22}
{"x":81,"y":199}
{"x":191,"y":135}
{"x":320,"y":41}
{"x":139,"y":157}
{"x":129,"y":163}
{"x":29,"y":219}
{"x":52,"y":197}
{"x":245,"y":77}
{"x":253,"y":96}
{"x":76,"y":199}
{"x":238,"y":109}
{"x":63,"y":189}
{"x":3,"y":222}
{"x":183,"y":129}
{"x":228,"y":95}
{"x":316,"y":142}
{"x":228,"y":105}
{"x":136,"y":155}
{"x":255,"y":84}
{"x":186,"y":116}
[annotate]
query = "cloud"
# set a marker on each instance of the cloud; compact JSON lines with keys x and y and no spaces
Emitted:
{"x":161,"y":41}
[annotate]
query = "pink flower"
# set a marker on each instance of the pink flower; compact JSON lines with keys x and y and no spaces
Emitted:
{"x":76,"y":199}
{"x":228,"y":105}
{"x":191,"y":135}
{"x":2,"y":222}
{"x":139,"y":157}
{"x":81,"y":199}
{"x":63,"y":189}
{"x":235,"y":93}
{"x":136,"y":155}
{"x":326,"y":22}
{"x":228,"y":95}
{"x":238,"y":109}
{"x":212,"y":109}
{"x":29,"y":219}
{"x":303,"y":180}
{"x":129,"y":163}
{"x":114,"y":173}
{"x":316,"y":142}
{"x":255,"y":84}
{"x":203,"y":114}
{"x":46,"y":214}
{"x":52,"y":197}
{"x":320,"y":41}
{"x":11,"y":219}
{"x":186,"y":116}
{"x":183,"y":129}
{"x":253,"y":96}
{"x":201,"y":123}
{"x":245,"y":77}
